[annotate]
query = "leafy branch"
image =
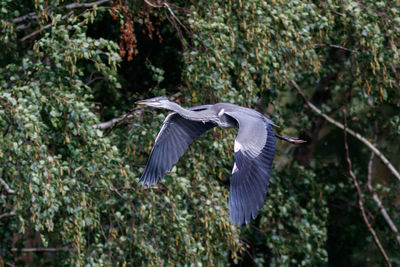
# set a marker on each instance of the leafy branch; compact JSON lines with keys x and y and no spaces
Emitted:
{"x":7,"y":187}
{"x":351,"y":132}
{"x":8,"y":214}
{"x":40,"y":249}
{"x":359,"y":196}
{"x":33,"y":15}
{"x":43,"y":28}
{"x":174,"y":20}
{"x":111,"y":124}
{"x":379,"y":202}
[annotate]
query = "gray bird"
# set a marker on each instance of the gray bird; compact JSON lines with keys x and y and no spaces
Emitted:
{"x":254,"y":149}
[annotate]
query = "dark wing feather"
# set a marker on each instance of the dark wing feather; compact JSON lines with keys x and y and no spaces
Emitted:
{"x":254,"y":153}
{"x":176,"y":134}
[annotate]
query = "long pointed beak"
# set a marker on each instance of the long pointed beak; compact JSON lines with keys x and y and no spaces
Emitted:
{"x":154,"y":102}
{"x":142,"y":102}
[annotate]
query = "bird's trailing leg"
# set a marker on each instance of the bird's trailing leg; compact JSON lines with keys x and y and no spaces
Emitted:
{"x":293,"y":140}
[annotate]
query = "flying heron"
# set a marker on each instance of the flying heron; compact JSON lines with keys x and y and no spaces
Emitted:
{"x":254,"y":149}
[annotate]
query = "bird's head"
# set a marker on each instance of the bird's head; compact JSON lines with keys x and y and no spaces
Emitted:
{"x":157,"y":102}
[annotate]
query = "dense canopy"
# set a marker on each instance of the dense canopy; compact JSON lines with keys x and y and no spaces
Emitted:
{"x":73,"y":145}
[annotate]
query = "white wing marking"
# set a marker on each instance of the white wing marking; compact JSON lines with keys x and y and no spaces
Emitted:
{"x":237,"y":146}
{"x":164,"y":125}
{"x":235,"y":168}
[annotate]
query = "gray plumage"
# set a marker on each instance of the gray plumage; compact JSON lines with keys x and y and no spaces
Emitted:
{"x":254,"y":149}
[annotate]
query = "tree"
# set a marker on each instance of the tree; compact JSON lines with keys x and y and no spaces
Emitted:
{"x":70,"y":182}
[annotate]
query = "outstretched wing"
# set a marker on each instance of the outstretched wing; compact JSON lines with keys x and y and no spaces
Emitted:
{"x":254,"y":152}
{"x":176,"y":134}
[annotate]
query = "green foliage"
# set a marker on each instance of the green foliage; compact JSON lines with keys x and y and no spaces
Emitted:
{"x":77,"y":186}
{"x":346,"y":53}
{"x":253,"y":45}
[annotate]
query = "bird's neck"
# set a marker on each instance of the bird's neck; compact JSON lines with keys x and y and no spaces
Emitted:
{"x":188,"y":114}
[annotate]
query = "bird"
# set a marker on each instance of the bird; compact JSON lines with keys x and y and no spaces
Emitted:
{"x":254,"y":149}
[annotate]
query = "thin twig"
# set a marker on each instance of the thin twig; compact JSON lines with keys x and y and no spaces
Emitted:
{"x":172,"y":20}
{"x":23,"y":26}
{"x":175,"y":17}
{"x":179,"y":32}
{"x":336,"y":46}
{"x":95,"y":79}
{"x":359,"y":196}
{"x":40,"y":249}
{"x":292,"y":140}
{"x":43,"y":28}
{"x":341,"y":47}
{"x":33,"y":15}
{"x":5,"y":215}
{"x":378,"y":201}
{"x":113,"y":123}
{"x":337,"y":13}
{"x":69,"y":6}
{"x":108,"y":124}
{"x":36,"y":32}
{"x":351,"y":132}
{"x":7,"y":187}
{"x":152,"y":4}
{"x":116,"y":191}
{"x":78,"y":5}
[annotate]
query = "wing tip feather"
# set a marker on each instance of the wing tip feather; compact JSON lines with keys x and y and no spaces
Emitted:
{"x":250,"y":184}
